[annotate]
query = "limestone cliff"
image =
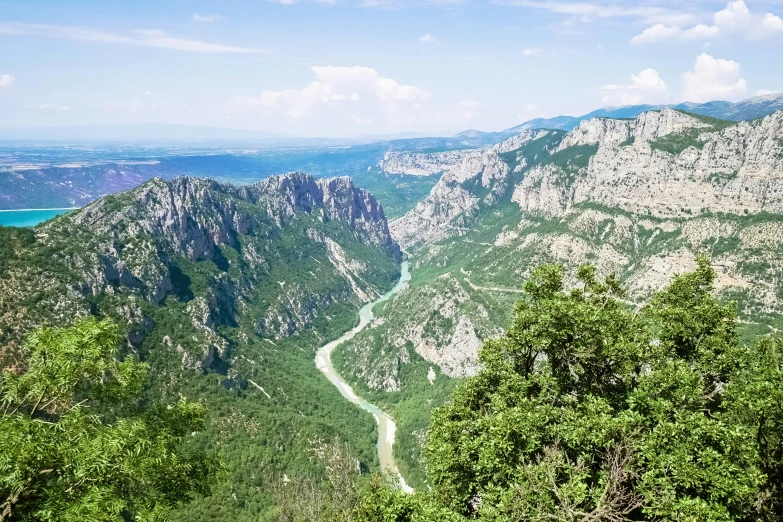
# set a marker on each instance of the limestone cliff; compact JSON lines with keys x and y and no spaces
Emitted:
{"x":275,"y":256}
{"x":737,"y":169}
{"x":639,"y":198}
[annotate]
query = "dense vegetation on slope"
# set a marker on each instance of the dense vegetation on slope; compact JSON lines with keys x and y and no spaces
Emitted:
{"x":587,"y":409}
{"x":483,"y":267}
{"x":677,"y":142}
{"x":398,"y":193}
{"x":411,"y":406}
{"x":77,"y":441}
{"x":225,"y":293}
{"x":603,"y":199}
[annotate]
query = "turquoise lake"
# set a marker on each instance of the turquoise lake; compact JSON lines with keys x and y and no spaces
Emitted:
{"x":29,"y":218}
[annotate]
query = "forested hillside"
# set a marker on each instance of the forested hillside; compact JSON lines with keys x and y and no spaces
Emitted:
{"x":640,"y":198}
{"x":588,"y":409}
{"x":226,"y":293}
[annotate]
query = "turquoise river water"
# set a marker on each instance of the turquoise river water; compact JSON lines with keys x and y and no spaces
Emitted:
{"x":386,"y":426}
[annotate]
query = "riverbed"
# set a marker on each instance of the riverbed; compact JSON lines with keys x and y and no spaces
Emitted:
{"x":386,"y":426}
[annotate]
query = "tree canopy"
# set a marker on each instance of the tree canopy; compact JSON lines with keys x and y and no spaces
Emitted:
{"x":590,"y":409}
{"x":77,"y":441}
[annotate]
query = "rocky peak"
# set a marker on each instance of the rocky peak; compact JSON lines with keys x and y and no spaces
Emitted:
{"x":336,"y":198}
{"x":656,"y":124}
{"x":518,"y":140}
{"x":719,"y":168}
{"x":735,"y":170}
{"x":647,"y":126}
{"x":193,"y":215}
{"x":597,"y":131}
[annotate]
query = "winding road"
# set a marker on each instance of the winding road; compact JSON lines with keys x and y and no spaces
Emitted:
{"x":386,"y":426}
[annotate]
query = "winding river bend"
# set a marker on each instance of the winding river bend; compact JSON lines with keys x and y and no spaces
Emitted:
{"x":386,"y":426}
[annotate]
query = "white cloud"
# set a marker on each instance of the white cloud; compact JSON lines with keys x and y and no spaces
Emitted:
{"x":645,"y":87}
{"x":6,"y":80}
{"x":588,"y":11}
{"x":292,"y":2}
{"x":207,"y":19}
{"x":362,"y":87}
{"x":700,"y":32}
{"x":735,"y":20}
{"x":469,"y":103}
{"x":531,"y":51}
{"x":772,"y":24}
{"x":428,"y":38}
{"x":401,"y":4}
{"x":381,"y":4}
{"x":139,"y":37}
{"x":713,"y":79}
{"x":656,"y":33}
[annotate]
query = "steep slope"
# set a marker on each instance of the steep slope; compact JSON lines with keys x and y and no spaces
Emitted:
{"x":226,"y":291}
{"x":663,"y":164}
{"x":469,"y":179}
{"x":668,"y":164}
{"x":639,"y":198}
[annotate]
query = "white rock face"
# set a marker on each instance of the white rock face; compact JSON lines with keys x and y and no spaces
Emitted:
{"x":429,"y":164}
{"x":657,"y":212}
{"x":419,"y":163}
{"x":738,"y":170}
{"x":437,"y":217}
{"x":647,"y":127}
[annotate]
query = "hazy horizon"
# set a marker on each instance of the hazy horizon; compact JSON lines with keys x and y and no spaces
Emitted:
{"x":337,"y":68}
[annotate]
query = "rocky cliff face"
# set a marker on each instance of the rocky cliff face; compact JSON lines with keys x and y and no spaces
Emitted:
{"x":275,"y":256}
{"x":738,"y":170}
{"x":423,"y":164}
{"x":468,"y":180}
{"x":639,"y":198}
{"x":194,"y":215}
{"x":336,"y":198}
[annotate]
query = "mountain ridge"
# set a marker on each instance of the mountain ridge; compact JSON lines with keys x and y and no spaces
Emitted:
{"x":636,"y":198}
{"x":226,"y":292}
{"x":748,"y":109}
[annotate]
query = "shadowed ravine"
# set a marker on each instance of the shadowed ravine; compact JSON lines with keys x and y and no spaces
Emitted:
{"x":386,"y":426}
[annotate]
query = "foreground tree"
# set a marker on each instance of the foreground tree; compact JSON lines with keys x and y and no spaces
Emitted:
{"x":305,"y":498}
{"x":589,"y":410}
{"x":75,"y":443}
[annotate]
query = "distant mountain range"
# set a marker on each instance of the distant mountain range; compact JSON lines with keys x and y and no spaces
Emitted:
{"x":749,"y":109}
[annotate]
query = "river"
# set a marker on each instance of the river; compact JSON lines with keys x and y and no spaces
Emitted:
{"x":386,"y":426}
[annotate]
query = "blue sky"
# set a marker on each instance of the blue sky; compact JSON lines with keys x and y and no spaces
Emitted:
{"x":355,"y":67}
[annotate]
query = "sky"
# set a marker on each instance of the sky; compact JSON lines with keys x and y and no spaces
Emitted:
{"x":344,"y":68}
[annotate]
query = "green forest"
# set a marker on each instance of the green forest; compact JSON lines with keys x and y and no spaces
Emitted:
{"x":585,"y":409}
